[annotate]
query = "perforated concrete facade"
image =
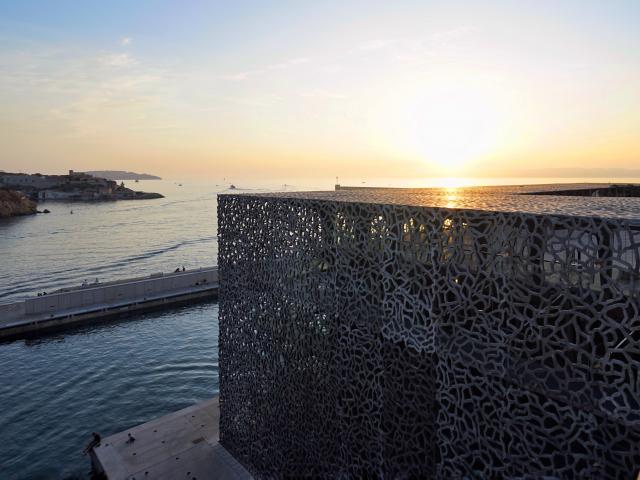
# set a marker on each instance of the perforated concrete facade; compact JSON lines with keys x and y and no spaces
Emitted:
{"x":382,"y":334}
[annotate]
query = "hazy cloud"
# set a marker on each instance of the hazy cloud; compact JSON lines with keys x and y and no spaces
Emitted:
{"x":124,"y":41}
{"x":323,"y":94}
{"x":236,"y":77}
{"x":260,"y":101}
{"x":117,"y":60}
{"x":447,"y":36}
{"x":240,"y":76}
{"x":288,"y":63}
{"x":414,"y":50}
{"x":374,"y":45}
{"x":65,"y":92}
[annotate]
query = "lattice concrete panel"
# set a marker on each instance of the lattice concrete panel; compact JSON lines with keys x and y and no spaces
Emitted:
{"x":370,"y":340}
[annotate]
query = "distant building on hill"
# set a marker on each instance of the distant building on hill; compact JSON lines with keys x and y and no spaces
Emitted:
{"x":74,"y":186}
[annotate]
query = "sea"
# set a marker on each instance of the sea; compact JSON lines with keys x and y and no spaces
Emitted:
{"x":81,"y":241}
{"x":57,"y":389}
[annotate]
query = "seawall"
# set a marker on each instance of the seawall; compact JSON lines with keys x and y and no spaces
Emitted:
{"x":84,"y":305}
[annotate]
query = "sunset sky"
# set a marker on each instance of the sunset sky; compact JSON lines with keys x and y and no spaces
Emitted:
{"x":274,"y":89}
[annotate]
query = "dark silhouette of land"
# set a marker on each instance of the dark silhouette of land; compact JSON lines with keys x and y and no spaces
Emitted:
{"x":122,"y":175}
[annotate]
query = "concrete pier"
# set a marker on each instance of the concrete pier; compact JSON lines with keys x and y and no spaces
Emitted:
{"x":183,"y":444}
{"x":83,"y":305}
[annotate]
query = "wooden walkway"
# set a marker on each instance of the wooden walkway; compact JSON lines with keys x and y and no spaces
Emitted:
{"x":181,"y":445}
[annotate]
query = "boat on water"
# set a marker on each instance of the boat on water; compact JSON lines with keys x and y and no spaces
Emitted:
{"x":232,"y":187}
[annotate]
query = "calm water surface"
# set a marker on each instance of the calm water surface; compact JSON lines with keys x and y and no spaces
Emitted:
{"x":109,"y":240}
{"x":56,"y":390}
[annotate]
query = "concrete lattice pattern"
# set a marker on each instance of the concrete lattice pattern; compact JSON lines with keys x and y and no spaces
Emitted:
{"x":370,"y":339}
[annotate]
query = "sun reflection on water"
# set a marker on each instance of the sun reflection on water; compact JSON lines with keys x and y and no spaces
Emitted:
{"x":452,"y":197}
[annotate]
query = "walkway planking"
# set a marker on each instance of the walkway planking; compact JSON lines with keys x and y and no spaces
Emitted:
{"x":181,"y":445}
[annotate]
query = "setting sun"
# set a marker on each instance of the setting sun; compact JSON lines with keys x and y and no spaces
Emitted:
{"x":451,"y":124}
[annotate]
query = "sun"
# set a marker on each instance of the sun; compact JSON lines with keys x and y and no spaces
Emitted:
{"x":450,"y":126}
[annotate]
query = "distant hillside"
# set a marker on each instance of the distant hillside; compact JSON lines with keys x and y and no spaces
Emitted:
{"x":122,"y":175}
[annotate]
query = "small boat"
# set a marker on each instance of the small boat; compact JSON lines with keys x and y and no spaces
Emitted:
{"x":137,"y":181}
{"x":232,"y":187}
{"x":179,"y":184}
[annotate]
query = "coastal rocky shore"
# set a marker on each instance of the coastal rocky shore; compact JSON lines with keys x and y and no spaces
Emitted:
{"x":76,"y":186}
{"x":14,"y":203}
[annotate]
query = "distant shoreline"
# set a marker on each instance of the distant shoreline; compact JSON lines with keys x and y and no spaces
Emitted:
{"x":122,"y":175}
{"x":76,"y":186}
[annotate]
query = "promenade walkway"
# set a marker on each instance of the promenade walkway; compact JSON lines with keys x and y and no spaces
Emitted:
{"x":100,"y":301}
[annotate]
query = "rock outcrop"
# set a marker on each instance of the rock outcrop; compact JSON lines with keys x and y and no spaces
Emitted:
{"x":76,"y":186}
{"x":14,"y":203}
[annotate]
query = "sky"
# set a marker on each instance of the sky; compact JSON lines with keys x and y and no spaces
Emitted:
{"x":264,"y":89}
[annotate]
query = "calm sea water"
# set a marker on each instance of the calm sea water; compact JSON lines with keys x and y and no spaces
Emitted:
{"x":55,"y":391}
{"x":108,"y":240}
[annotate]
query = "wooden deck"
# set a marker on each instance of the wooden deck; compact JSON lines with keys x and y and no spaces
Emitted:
{"x":181,"y":445}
